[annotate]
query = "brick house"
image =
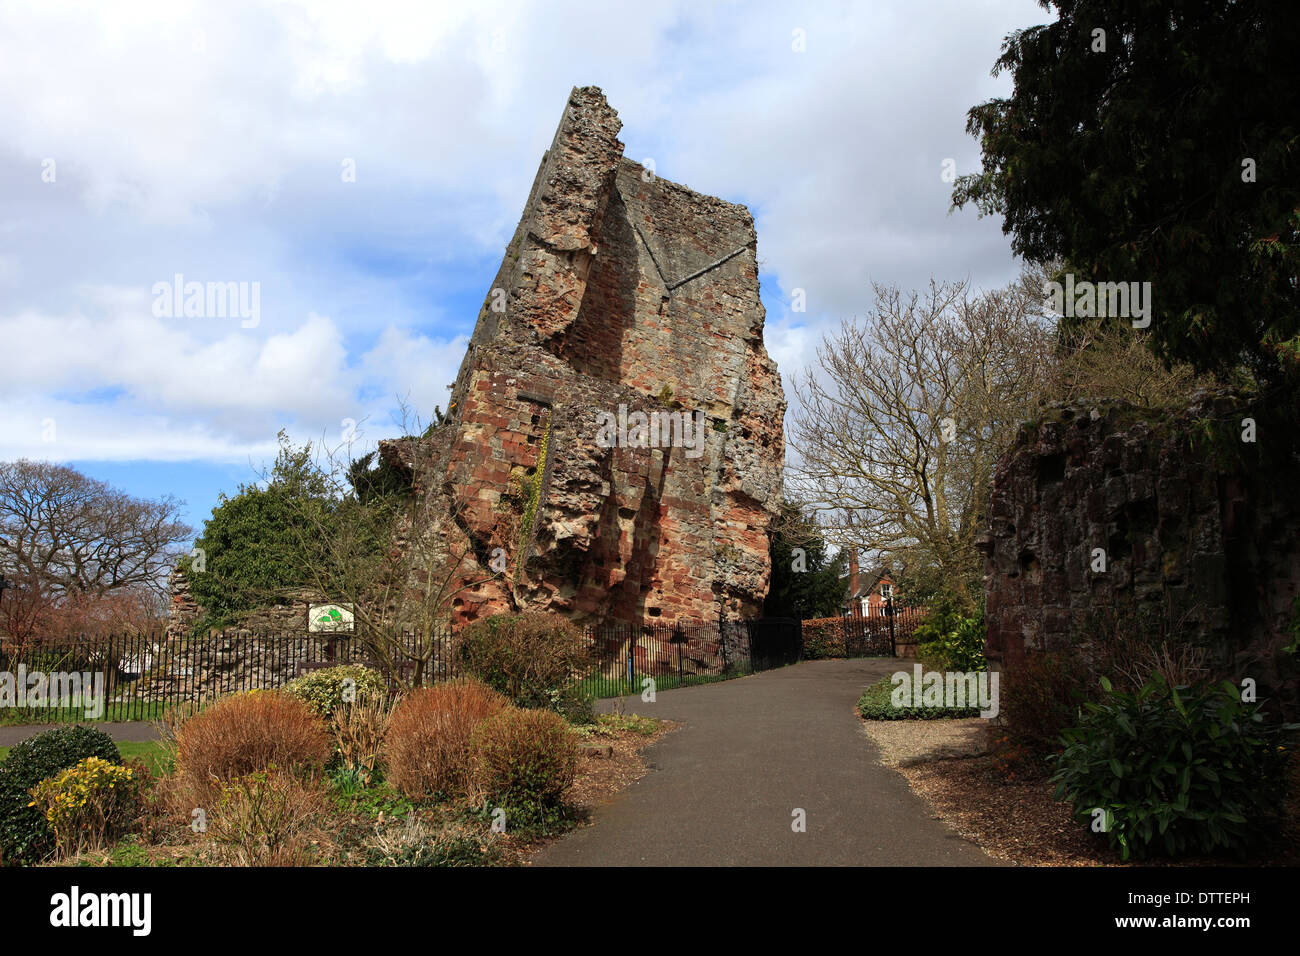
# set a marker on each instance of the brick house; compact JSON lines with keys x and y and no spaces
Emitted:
{"x":866,"y":595}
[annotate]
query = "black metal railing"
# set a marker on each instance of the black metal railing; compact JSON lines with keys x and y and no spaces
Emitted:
{"x":136,"y":677}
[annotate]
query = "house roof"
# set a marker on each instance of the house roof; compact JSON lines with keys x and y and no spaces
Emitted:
{"x":867,"y":583}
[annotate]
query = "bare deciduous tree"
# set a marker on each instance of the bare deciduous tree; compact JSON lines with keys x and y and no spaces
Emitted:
{"x":72,"y":541}
{"x":897,"y":433}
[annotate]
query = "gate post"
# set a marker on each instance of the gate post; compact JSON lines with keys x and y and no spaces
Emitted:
{"x":889,"y":610}
{"x":798,"y":616}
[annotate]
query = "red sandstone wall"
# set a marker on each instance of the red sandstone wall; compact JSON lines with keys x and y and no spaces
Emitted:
{"x":618,"y":289}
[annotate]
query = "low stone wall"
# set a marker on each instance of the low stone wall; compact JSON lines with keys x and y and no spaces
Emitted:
{"x":202,"y":668}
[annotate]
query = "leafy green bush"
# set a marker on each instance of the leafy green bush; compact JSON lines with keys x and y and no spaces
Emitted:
{"x":527,"y":760}
{"x":1175,"y":770}
{"x":25,"y":836}
{"x":536,"y":660}
{"x":948,"y":641}
{"x":89,"y":805}
{"x":325,"y":689}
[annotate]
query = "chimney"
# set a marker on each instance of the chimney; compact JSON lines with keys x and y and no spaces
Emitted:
{"x":855,"y":606}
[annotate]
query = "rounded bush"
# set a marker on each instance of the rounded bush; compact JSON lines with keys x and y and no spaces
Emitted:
{"x":526,"y":759}
{"x":248,"y":733}
{"x":536,"y":660}
{"x":89,"y":805}
{"x":427,"y":745}
{"x":326,"y":689}
{"x":25,"y":836}
{"x":1175,"y":770}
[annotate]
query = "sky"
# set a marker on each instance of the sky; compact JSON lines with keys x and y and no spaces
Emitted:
{"x":355,"y":170}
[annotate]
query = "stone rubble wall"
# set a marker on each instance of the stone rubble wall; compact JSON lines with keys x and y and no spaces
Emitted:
{"x":1209,"y":539}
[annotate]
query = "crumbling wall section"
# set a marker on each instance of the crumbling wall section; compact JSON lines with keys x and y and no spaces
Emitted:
{"x":620,"y":292}
{"x":1110,"y":510}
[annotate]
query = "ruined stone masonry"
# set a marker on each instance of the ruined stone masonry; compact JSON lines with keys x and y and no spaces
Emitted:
{"x":1206,"y":534}
{"x":619,"y":293}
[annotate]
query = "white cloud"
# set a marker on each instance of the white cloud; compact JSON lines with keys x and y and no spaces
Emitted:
{"x":208,"y":138}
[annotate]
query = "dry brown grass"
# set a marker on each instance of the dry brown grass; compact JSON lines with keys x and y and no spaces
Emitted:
{"x":268,"y":818}
{"x":359,"y":732}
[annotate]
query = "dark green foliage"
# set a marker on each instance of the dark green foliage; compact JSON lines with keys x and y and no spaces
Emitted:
{"x":1175,"y":770}
{"x":1127,"y":165}
{"x":922,"y":583}
{"x":948,"y":641}
{"x":254,"y":545}
{"x":297,"y":531}
{"x":818,"y":589}
{"x":876,"y":703}
{"x":25,"y":837}
{"x":373,"y":484}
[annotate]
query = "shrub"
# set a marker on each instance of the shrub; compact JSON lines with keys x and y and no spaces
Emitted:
{"x":877,"y":703}
{"x":1040,"y":698}
{"x":823,"y":637}
{"x":326,"y":689}
{"x":244,"y":734}
{"x":266,"y":818}
{"x":359,"y":732}
{"x":427,"y":747}
{"x":952,"y":642}
{"x":89,"y":805}
{"x":25,"y":836}
{"x":526,"y":763}
{"x":1175,"y":770}
{"x":536,"y":660}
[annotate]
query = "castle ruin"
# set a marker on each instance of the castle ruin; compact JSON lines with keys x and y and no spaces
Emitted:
{"x":616,"y":403}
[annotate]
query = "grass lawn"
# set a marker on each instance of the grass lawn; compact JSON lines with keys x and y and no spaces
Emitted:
{"x":113,"y":712}
{"x":150,"y":752}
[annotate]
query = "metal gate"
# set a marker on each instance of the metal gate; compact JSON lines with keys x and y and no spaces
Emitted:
{"x":774,"y":642}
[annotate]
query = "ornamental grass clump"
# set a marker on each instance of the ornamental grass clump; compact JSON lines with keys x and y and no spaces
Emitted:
{"x":244,"y":734}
